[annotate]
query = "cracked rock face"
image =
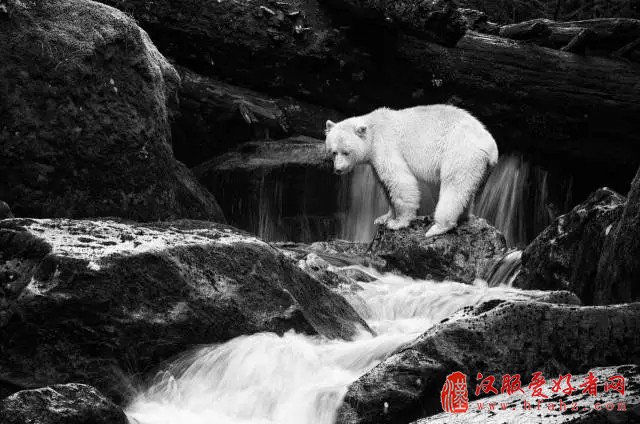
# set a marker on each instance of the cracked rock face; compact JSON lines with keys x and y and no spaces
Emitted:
{"x":99,"y":301}
{"x":60,"y":404}
{"x":495,"y":338}
{"x":565,"y":255}
{"x":619,"y":266}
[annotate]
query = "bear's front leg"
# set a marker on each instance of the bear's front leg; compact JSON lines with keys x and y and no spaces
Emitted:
{"x":404,"y":194}
{"x":383,"y":219}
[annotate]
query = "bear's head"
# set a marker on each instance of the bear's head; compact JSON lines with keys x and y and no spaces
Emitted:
{"x":348,"y":142}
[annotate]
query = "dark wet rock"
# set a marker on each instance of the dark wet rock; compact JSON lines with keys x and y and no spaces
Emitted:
{"x":464,"y":254}
{"x":618,"y":278}
{"x":102,"y":301}
{"x":356,"y":275}
{"x":496,"y":338}
{"x":322,"y":271}
{"x":335,"y":277}
{"x":279,"y":190}
{"x":60,"y":404}
{"x":338,"y":253}
{"x":5,"y":210}
{"x":470,"y":251}
{"x":565,"y":256}
{"x":85,"y":121}
{"x":612,"y":406}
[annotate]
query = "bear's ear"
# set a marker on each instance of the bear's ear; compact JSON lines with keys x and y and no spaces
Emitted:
{"x":330,"y":124}
{"x":361,"y":131}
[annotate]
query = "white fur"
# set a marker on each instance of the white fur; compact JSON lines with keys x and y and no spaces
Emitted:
{"x":437,"y":144}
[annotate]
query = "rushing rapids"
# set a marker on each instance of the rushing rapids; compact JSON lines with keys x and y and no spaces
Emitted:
{"x":269,"y":379}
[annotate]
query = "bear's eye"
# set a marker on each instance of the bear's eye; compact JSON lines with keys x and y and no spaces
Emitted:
{"x":335,"y":153}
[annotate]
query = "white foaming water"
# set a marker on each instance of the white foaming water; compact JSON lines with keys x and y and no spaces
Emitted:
{"x":294,"y":378}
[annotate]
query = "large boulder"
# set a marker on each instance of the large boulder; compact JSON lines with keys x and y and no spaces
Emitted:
{"x":279,"y":190}
{"x":566,"y":254}
{"x":473,"y":250}
{"x":99,"y":301}
{"x":493,"y":338}
{"x":618,"y":278}
{"x":464,"y":254}
{"x":85,"y":131}
{"x":603,"y":408}
{"x":60,"y":404}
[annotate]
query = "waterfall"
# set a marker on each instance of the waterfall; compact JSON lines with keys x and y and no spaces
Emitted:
{"x":501,"y":200}
{"x":292,"y":379}
{"x":517,"y":199}
{"x":362,"y":201}
{"x":505,"y":271}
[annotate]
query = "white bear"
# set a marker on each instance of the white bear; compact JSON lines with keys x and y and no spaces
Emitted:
{"x":437,"y":144}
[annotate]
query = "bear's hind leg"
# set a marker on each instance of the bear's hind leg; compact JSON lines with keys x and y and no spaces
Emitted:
{"x":460,"y":179}
{"x":453,"y":206}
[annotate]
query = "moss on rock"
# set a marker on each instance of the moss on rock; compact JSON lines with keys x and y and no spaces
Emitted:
{"x":84,"y":119}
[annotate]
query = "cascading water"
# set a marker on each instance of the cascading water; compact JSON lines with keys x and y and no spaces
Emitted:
{"x":516,"y":199}
{"x":363,"y":200}
{"x":292,"y":379}
{"x":505,"y":271}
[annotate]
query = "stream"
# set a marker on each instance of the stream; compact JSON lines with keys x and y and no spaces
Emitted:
{"x":294,"y":378}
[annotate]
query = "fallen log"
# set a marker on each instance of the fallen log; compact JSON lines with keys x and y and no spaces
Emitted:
{"x":434,"y":20}
{"x":595,"y":37}
{"x":581,"y":112}
{"x":513,"y":11}
{"x":215,"y":117}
